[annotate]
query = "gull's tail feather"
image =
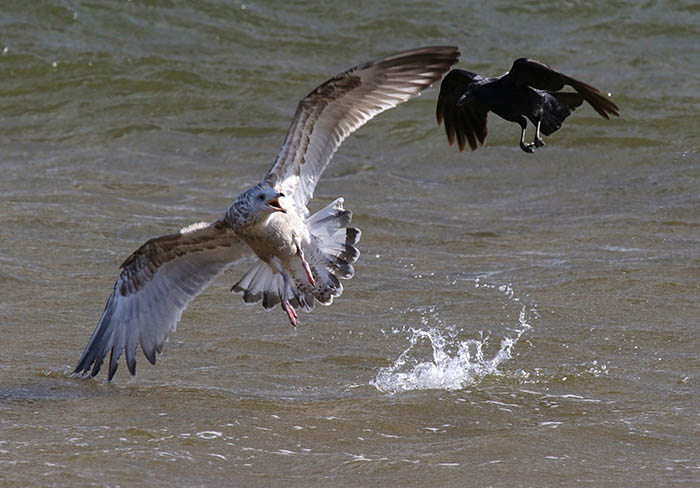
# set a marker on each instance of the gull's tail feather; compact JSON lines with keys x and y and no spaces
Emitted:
{"x":330,"y":257}
{"x":332,"y":251}
{"x":262,"y":283}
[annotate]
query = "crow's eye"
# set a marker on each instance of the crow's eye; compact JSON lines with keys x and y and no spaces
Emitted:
{"x":261,"y":197}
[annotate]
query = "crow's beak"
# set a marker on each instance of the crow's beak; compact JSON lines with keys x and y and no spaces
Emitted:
{"x":464,"y":99}
{"x":275,"y":205}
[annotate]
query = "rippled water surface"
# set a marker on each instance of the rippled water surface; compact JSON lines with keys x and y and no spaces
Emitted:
{"x":515,"y":320}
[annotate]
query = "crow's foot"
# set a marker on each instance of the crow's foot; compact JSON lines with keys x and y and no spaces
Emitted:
{"x":528,"y":148}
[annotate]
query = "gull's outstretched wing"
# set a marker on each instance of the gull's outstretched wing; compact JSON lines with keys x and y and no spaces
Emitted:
{"x":465,"y":118}
{"x":155,"y":286}
{"x":334,"y":110}
{"x":539,"y":75}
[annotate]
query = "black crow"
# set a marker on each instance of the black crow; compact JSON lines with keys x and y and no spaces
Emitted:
{"x":530,"y":89}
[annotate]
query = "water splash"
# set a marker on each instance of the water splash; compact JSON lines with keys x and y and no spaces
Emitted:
{"x":455,"y":362}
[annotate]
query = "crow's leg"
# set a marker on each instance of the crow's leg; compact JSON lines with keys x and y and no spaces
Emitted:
{"x":538,"y":140}
{"x":528,"y":148}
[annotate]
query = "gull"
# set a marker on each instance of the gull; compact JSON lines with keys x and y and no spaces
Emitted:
{"x":301,"y":256}
{"x":530,"y":89}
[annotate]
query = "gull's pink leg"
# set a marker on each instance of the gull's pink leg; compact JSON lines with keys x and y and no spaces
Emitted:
{"x":291,"y":313}
{"x":286,"y":306}
{"x":307,"y":268}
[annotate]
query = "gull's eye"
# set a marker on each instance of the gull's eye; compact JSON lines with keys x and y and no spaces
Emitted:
{"x":261,"y":197}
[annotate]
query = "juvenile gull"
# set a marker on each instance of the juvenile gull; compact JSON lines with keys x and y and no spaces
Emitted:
{"x":301,"y":256}
{"x":530,"y":89}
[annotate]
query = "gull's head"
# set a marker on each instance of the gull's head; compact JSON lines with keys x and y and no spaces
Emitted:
{"x":267,"y":200}
{"x":259,"y":202}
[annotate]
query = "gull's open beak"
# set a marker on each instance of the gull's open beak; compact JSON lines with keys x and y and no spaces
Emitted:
{"x":275,"y":205}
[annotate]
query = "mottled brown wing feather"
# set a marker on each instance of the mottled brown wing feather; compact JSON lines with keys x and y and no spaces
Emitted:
{"x":341,"y":105}
{"x":156,"y":284}
{"x":539,"y":75}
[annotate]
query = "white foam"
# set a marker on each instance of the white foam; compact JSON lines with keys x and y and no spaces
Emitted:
{"x":455,"y":363}
{"x":208,"y":434}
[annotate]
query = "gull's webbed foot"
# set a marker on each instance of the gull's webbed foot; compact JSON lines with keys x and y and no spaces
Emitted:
{"x":291,"y":313}
{"x":538,"y":142}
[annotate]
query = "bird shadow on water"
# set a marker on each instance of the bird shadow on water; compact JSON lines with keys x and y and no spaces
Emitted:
{"x":41,"y":386}
{"x":439,"y":356}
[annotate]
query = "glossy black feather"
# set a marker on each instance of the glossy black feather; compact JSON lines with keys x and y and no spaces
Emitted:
{"x":529,"y":90}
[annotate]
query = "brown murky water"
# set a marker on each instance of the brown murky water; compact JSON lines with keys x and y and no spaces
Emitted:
{"x":515,"y":320}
